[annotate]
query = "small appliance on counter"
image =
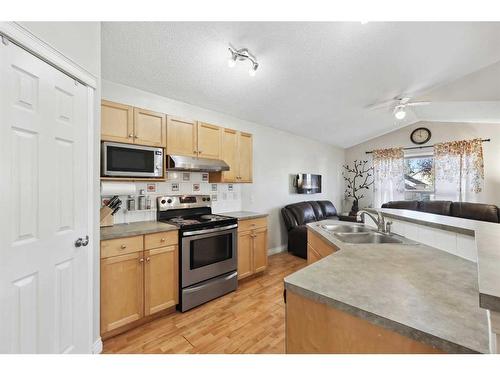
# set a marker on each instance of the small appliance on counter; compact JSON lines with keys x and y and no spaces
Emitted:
{"x":207,"y":248}
{"x":110,"y":208}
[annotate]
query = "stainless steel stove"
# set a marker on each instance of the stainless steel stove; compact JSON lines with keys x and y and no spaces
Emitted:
{"x":208,"y":248}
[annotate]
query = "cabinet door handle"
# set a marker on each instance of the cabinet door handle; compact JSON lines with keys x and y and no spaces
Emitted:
{"x":131,"y":135}
{"x":148,"y":259}
{"x":141,"y":260}
{"x":123,"y":246}
{"x":199,"y":151}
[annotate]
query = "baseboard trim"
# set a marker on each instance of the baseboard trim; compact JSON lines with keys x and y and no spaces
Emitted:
{"x":97,"y":346}
{"x":277,"y":250}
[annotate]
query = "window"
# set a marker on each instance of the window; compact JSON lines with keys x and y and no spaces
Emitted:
{"x":419,"y":177}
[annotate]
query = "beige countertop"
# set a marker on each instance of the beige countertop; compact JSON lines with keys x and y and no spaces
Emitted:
{"x":416,"y":290}
{"x":243,"y":215}
{"x":134,"y":229}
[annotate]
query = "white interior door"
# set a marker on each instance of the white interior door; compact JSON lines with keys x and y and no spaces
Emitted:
{"x":44,"y":278}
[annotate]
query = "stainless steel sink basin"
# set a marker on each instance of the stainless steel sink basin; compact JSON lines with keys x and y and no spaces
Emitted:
{"x":340,"y":228}
{"x":372,"y":237}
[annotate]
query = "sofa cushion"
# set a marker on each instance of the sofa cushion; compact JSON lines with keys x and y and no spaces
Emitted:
{"x":475,"y":211}
{"x":328,"y":208}
{"x":435,"y":207}
{"x":318,"y":212}
{"x":402,"y":205}
{"x":303,"y":212}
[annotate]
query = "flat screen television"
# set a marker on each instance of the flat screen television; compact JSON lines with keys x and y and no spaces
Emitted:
{"x":307,"y":183}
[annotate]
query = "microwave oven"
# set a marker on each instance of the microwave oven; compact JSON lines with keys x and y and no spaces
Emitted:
{"x":123,"y":160}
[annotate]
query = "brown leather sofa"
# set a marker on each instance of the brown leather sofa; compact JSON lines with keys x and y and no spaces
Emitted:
{"x":465,"y":210}
{"x":297,"y":215}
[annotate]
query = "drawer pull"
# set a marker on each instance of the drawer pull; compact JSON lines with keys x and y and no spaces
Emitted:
{"x":123,"y":246}
{"x":163,"y":240}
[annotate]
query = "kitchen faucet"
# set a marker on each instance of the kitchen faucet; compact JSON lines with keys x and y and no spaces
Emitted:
{"x":379,"y":220}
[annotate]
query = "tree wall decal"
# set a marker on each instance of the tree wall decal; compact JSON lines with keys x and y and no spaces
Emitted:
{"x":358,"y":178}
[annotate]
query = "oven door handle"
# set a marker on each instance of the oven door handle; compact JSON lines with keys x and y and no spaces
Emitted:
{"x":193,"y":289}
{"x":212,"y":230}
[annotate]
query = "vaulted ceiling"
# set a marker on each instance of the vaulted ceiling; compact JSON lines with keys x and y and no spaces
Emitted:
{"x":314,"y":79}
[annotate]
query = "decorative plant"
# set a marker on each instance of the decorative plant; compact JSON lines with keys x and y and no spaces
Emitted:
{"x":358,"y":178}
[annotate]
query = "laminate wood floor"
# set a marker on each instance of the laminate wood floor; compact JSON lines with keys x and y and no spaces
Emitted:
{"x":249,"y":320}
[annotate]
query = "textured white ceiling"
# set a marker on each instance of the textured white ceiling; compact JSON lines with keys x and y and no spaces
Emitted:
{"x":314,"y":79}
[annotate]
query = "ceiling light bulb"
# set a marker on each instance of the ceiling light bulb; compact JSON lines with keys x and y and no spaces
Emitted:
{"x":252,"y":72}
{"x":400,"y":113}
{"x":231,"y":63}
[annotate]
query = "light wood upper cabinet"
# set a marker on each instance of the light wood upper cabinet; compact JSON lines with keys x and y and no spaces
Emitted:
{"x":181,"y":136}
{"x":237,"y":152}
{"x":246,"y":156}
{"x":117,"y":122}
{"x":161,"y":279}
{"x":252,"y":247}
{"x":121,"y":290}
{"x":209,"y":141}
{"x":230,"y":154}
{"x":150,"y":128}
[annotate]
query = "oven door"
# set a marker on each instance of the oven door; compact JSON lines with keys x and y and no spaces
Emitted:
{"x":131,"y":160}
{"x":208,"y":253}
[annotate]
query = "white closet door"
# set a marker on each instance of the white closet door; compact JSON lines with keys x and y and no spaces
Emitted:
{"x":44,"y":278}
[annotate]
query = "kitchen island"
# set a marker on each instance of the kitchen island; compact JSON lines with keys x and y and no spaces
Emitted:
{"x":384,"y":298}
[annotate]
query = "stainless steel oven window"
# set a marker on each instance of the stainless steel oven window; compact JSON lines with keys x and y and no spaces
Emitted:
{"x":214,"y":254}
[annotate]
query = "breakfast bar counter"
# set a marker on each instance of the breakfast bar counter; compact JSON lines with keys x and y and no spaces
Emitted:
{"x":416,"y":291}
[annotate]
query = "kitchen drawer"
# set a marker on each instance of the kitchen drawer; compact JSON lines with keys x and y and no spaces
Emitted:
{"x":250,"y":224}
{"x":121,"y":246}
{"x":152,"y":241}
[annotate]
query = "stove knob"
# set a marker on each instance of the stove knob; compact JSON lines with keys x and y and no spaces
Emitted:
{"x":169,"y":200}
{"x":163,"y":201}
{"x":208,"y":199}
{"x":203,"y":199}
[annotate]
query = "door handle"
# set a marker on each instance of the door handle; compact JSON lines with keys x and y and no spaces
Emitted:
{"x":82,"y":242}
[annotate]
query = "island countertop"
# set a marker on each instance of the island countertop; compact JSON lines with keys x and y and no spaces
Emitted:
{"x":487,"y":238}
{"x":134,"y":229}
{"x":416,"y":290}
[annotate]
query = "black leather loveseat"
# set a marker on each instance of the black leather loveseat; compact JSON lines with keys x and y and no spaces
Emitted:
{"x":297,"y":215}
{"x":465,"y":210}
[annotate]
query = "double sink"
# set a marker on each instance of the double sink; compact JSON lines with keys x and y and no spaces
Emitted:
{"x":360,"y":234}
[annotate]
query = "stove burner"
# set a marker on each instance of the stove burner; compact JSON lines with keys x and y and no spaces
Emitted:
{"x":211,"y":217}
{"x":182,"y":221}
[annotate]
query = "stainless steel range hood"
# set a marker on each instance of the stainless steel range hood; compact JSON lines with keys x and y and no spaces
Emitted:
{"x":189,"y":163}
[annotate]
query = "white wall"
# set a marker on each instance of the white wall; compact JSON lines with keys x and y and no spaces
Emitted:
{"x":442,"y":132}
{"x":277,"y":154}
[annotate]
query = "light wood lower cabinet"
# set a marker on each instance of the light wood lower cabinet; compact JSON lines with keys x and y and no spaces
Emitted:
{"x":252,"y":247}
{"x":161,"y":281}
{"x":317,"y":248}
{"x":122,"y":291}
{"x":316,"y":328}
{"x":139,"y":283}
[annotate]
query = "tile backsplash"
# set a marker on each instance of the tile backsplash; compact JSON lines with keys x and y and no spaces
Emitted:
{"x":225,"y":197}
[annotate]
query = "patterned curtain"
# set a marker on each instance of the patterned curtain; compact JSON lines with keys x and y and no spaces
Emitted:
{"x":459,"y":170}
{"x":388,"y":174}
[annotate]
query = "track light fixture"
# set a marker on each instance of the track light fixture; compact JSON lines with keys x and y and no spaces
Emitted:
{"x":241,"y":55}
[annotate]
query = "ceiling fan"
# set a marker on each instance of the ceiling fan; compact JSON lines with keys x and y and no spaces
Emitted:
{"x":398,"y":104}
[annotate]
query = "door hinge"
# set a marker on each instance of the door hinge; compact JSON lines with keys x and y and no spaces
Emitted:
{"x":5,"y":41}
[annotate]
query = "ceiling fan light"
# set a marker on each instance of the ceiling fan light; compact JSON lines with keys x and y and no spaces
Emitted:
{"x":400,"y":113}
